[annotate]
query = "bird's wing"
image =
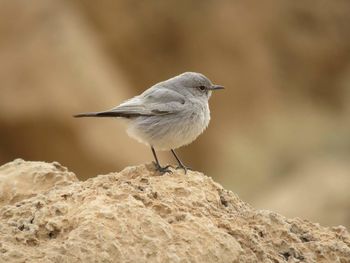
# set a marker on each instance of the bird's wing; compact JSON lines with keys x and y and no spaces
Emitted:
{"x":154,"y":101}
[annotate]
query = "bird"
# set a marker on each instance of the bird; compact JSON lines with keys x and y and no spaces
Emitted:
{"x":168,"y":115}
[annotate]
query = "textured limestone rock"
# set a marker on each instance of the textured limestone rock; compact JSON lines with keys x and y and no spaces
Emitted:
{"x":20,"y":179}
{"x":139,"y":216}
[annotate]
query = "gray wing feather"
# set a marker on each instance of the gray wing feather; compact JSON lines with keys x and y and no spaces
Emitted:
{"x":155,"y":101}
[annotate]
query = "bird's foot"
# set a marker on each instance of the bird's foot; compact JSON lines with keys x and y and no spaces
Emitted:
{"x":161,"y":169}
{"x":183,"y":167}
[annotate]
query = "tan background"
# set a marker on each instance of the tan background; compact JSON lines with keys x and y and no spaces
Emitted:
{"x":280,"y":132}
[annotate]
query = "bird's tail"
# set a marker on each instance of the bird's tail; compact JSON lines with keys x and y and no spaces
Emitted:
{"x":111,"y":113}
{"x":98,"y":114}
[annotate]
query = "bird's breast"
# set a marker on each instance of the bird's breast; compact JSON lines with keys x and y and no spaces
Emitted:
{"x":171,"y":131}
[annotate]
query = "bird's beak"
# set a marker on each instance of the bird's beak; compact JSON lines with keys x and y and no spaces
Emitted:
{"x":216,"y":87}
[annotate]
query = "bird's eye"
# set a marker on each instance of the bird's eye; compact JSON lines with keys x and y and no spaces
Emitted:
{"x":202,"y":88}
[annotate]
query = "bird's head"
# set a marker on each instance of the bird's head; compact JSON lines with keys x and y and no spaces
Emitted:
{"x":195,"y":84}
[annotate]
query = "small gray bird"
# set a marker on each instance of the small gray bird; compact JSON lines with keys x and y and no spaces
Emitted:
{"x":170,"y":114}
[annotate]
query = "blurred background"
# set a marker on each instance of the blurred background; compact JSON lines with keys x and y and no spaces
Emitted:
{"x":280,"y":131}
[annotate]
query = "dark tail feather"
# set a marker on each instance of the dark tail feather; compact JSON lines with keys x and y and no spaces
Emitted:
{"x":98,"y":114}
{"x":107,"y":114}
{"x":90,"y":114}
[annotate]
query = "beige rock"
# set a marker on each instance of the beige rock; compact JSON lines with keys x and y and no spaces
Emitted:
{"x":21,"y":180}
{"x":139,"y":216}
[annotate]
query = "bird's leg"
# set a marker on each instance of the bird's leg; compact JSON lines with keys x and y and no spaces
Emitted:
{"x":159,"y":168}
{"x":181,"y":165}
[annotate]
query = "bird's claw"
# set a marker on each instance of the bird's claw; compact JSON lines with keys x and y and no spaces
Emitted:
{"x":161,"y":169}
{"x":183,"y":167}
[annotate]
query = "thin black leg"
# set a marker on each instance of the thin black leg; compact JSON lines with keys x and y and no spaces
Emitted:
{"x":155,"y":156}
{"x":159,"y":168}
{"x":181,"y":165}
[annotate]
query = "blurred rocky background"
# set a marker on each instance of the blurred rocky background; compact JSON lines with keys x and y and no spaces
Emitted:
{"x":280,"y":132}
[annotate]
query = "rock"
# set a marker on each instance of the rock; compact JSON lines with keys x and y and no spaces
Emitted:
{"x":20,"y":179}
{"x":137,"y":215}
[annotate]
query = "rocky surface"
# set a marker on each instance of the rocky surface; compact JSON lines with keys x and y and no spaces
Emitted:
{"x":21,"y":180}
{"x":137,"y":215}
